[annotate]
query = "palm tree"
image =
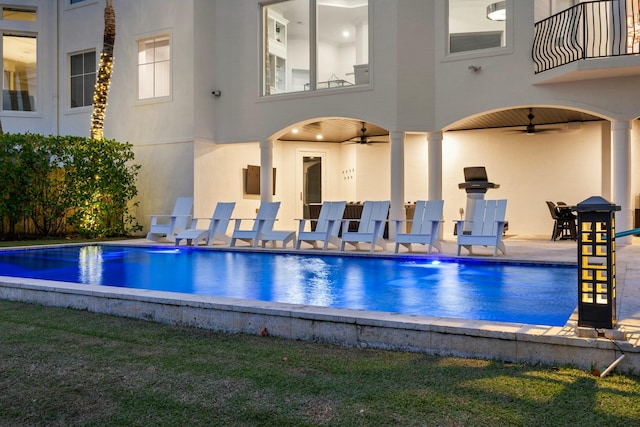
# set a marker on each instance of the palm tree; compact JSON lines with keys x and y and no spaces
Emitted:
{"x":103,"y":80}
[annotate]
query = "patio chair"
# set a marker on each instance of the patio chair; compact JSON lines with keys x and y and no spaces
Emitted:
{"x":217,"y":230}
{"x":327,"y":226}
{"x":262,"y":223}
{"x":425,"y":226}
{"x":165,"y":227}
{"x":274,"y":236}
{"x":370,"y":227}
{"x":486,"y":227}
{"x":564,"y":222}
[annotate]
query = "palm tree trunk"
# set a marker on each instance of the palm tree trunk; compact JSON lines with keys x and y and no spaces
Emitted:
{"x":103,"y":79}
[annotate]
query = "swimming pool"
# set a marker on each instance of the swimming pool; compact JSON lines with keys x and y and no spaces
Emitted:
{"x":532,"y":294}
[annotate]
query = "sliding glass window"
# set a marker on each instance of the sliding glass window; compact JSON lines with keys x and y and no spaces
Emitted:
{"x":315,"y":44}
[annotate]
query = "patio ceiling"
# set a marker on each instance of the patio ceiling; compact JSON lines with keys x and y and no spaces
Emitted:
{"x":338,"y":130}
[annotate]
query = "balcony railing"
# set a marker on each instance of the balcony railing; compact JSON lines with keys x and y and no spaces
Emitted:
{"x":595,"y":29}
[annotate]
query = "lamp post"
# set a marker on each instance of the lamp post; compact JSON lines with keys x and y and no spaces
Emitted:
{"x":596,"y":263}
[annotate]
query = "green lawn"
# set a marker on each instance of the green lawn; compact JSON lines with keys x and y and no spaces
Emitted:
{"x":63,"y":367}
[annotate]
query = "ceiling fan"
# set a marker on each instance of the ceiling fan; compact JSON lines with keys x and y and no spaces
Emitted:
{"x":364,"y":139}
{"x":531,"y":129}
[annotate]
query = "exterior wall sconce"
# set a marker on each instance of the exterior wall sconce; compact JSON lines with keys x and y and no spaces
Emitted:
{"x":216,"y":93}
{"x":475,"y":68}
{"x":497,"y":11}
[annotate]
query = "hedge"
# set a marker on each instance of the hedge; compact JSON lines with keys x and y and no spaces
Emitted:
{"x":56,"y":185}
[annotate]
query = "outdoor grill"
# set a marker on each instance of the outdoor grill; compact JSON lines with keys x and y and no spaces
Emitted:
{"x":476,"y":183}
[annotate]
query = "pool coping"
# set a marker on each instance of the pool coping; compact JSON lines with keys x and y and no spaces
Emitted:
{"x":512,"y":342}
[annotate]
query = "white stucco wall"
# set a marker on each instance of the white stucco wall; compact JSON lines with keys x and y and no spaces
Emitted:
{"x":198,"y":144}
{"x":558,"y":166}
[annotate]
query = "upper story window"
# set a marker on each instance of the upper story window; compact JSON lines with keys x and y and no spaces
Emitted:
{"x":19,"y":28}
{"x":315,"y":44}
{"x":154,"y":67}
{"x":546,"y":8}
{"x":18,"y":14}
{"x":19,"y":65}
{"x":77,"y":3}
{"x":82,"y":74}
{"x":477,"y":25}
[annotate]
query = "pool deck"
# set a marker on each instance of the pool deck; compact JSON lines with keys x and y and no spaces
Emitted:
{"x":586,"y":348}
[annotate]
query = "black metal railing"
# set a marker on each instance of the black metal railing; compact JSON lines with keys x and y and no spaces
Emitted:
{"x":595,"y":29}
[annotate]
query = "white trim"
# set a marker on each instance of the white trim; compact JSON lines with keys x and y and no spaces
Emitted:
{"x":153,"y":35}
{"x":83,"y":108}
{"x":300,"y":154}
{"x":69,"y":6}
{"x":507,"y":49}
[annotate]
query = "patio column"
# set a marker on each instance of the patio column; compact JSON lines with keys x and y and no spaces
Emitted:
{"x":434,"y":140}
{"x":266,"y":167}
{"x":397,"y":179}
{"x":621,"y":175}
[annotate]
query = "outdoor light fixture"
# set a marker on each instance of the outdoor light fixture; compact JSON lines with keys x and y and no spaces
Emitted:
{"x":596,"y":263}
{"x":497,"y":11}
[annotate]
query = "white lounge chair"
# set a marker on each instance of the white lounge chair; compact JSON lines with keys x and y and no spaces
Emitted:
{"x":370,"y":228}
{"x":425,"y":226}
{"x":217,"y":230}
{"x":486,"y":228}
{"x":263,"y":222}
{"x":327,"y":226}
{"x":165,"y":227}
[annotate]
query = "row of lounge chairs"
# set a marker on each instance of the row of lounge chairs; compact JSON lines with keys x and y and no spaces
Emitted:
{"x":330,"y":228}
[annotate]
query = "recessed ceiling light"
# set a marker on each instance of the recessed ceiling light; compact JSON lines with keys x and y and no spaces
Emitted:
{"x":318,"y":136}
{"x":346,"y":34}
{"x":295,"y":131}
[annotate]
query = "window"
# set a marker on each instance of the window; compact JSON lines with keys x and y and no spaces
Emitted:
{"x":314,"y":48}
{"x":75,"y":1}
{"x":342,"y":43}
{"x":476,"y":25}
{"x":83,"y":78}
{"x":18,"y":14}
{"x":154,"y":68}
{"x":19,"y":72}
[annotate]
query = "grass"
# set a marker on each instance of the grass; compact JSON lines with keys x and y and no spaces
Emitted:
{"x":63,"y":367}
{"x":53,"y":241}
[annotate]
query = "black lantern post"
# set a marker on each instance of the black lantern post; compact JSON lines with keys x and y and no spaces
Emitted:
{"x":596,"y":263}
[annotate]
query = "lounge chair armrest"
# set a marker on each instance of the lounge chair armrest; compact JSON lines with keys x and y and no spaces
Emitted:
{"x":254,"y":219}
{"x":238,"y":221}
{"x":399,"y":221}
{"x":346,"y":222}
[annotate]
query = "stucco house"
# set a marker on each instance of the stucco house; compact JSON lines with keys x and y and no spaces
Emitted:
{"x":345,"y":99}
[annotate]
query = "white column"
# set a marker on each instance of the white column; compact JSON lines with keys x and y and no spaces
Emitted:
{"x":266,"y":168}
{"x":397,"y":180}
{"x":434,"y":140}
{"x":621,"y":176}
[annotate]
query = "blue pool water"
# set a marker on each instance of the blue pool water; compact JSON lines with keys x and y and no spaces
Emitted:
{"x":542,"y":295}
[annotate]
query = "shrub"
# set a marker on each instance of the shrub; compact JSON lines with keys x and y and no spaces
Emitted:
{"x":55,"y":182}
